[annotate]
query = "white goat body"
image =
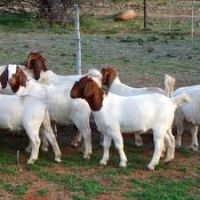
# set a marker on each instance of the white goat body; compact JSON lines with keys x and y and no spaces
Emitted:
{"x":62,"y":108}
{"x":188,"y":113}
{"x":116,"y":114}
{"x":117,"y":87}
{"x":30,"y":114}
{"x":136,"y":114}
{"x":111,"y":78}
{"x":50,"y":78}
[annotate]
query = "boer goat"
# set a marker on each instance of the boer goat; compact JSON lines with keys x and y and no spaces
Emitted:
{"x":37,"y":63}
{"x":62,"y":108}
{"x":114,"y":114}
{"x":188,"y":114}
{"x":32,"y":115}
{"x":111,"y":81}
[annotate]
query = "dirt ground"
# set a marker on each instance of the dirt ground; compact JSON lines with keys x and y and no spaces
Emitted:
{"x":65,"y":136}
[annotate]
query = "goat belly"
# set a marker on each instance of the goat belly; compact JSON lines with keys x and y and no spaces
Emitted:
{"x":130,"y":129}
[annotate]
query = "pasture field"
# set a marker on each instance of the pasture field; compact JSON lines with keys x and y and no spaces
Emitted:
{"x":142,"y":59}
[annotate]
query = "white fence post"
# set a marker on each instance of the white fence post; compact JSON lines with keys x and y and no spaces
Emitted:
{"x":78,"y":40}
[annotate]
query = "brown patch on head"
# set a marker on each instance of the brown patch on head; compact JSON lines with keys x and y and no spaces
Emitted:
{"x":18,"y":79}
{"x":4,"y":78}
{"x":88,"y":89}
{"x":108,"y":76}
{"x":36,"y":62}
{"x":78,"y":89}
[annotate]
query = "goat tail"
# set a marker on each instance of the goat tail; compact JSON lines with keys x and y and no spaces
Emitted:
{"x":181,"y":99}
{"x":169,"y":83}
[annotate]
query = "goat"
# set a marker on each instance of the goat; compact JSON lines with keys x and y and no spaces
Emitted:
{"x":37,"y":63}
{"x":30,"y":114}
{"x":188,"y":114}
{"x":62,"y":108}
{"x":113,"y":114}
{"x":111,"y":81}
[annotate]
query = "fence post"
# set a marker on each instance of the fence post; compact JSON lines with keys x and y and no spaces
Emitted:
{"x":145,"y":14}
{"x":170,"y":15}
{"x":192,"y":25}
{"x":78,"y":40}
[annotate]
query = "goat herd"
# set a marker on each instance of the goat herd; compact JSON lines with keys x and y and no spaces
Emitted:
{"x":35,"y":99}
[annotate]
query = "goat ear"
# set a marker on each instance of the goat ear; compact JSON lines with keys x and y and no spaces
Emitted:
{"x":44,"y":63}
{"x":89,"y":89}
{"x":22,"y":77}
{"x":28,"y":63}
{"x":4,"y":78}
{"x":106,"y":77}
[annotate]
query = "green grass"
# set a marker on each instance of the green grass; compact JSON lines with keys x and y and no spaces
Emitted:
{"x":107,"y":25}
{"x":165,"y":189}
{"x":28,"y":22}
{"x":188,"y":153}
{"x":87,"y":187}
{"x":197,"y":168}
{"x":9,"y":170}
{"x":22,"y":22}
{"x":7,"y":158}
{"x":42,"y":192}
{"x":40,"y":164}
{"x":18,"y":190}
{"x":17,"y":21}
{"x":76,"y":161}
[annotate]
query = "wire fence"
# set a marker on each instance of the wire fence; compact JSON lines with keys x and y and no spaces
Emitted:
{"x":142,"y":59}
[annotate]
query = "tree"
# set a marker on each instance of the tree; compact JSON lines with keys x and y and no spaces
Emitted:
{"x":54,"y":11}
{"x":58,"y":11}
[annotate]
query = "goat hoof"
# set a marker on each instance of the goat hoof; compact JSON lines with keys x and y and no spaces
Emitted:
{"x":31,"y":161}
{"x":87,"y":157}
{"x":194,"y":148}
{"x":74,"y":145}
{"x":168,"y":160}
{"x":45,"y":149}
{"x":103,"y":162}
{"x":58,"y":160}
{"x":138,"y":144}
{"x":178,"y":145}
{"x":122,"y":164}
{"x":150,"y":167}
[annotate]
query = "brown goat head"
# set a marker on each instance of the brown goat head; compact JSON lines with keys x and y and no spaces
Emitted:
{"x":17,"y":79}
{"x":4,"y":78}
{"x":36,"y":62}
{"x":87,"y":89}
{"x":108,"y":76}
